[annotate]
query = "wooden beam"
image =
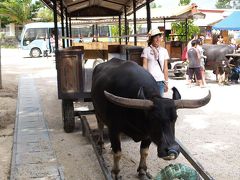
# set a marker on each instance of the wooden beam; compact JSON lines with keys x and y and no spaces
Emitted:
{"x":125,"y":24}
{"x":134,"y":22}
{"x":70,"y":30}
{"x":67,"y":32}
{"x":55,"y":24}
{"x":121,"y":4}
{"x":77,"y":3}
{"x":119,"y":28}
{"x":95,"y":11}
{"x":149,"y":23}
{"x":62,"y":22}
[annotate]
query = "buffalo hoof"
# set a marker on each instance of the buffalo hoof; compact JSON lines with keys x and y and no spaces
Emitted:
{"x":116,"y":177}
{"x":143,"y":175}
{"x":101,"y":149}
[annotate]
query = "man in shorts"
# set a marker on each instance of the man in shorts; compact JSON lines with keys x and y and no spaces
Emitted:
{"x":194,"y":64}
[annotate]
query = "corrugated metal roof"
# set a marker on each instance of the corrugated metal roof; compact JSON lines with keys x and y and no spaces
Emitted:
{"x":157,"y":15}
{"x":210,"y":19}
{"x":229,"y":23}
{"x":180,"y":13}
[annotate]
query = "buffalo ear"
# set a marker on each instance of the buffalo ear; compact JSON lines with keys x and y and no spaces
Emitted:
{"x":140,"y":94}
{"x":176,"y":94}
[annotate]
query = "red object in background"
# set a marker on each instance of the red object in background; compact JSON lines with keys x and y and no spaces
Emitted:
{"x":184,"y":54}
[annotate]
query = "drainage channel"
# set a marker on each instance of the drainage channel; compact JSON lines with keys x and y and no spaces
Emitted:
{"x":32,"y":156}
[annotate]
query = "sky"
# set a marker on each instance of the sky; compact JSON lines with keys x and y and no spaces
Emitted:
{"x":202,"y":4}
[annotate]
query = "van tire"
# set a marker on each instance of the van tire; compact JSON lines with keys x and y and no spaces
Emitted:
{"x":35,"y":52}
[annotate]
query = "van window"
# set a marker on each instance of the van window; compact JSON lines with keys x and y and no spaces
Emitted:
{"x":33,"y":34}
{"x":103,"y":31}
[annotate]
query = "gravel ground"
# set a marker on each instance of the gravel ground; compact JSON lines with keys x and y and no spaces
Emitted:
{"x":211,"y":133}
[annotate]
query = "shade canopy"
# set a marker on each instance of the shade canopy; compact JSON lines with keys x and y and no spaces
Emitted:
{"x":96,"y":8}
{"x":229,"y":23}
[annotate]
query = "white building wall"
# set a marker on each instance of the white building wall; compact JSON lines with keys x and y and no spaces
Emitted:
{"x":11,"y":29}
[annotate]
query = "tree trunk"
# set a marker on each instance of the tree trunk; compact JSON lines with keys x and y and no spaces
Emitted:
{"x":0,"y":66}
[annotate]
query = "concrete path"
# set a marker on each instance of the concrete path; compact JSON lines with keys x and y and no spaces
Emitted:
{"x":33,"y":156}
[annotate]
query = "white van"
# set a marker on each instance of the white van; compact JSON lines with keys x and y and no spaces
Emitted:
{"x":35,"y":38}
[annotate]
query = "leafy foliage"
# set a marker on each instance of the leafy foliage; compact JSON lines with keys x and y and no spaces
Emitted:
{"x":45,"y":15}
{"x":184,"y":2}
{"x":179,"y":29}
{"x":115,"y":31}
{"x":154,"y":5}
{"x":4,"y":21}
{"x":228,"y":4}
{"x":34,"y":8}
{"x":19,"y":11}
{"x":223,"y":4}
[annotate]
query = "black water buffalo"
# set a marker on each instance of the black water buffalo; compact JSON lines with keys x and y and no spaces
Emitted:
{"x":126,"y":98}
{"x":216,"y":59}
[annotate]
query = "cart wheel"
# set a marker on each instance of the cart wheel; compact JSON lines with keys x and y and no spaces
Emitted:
{"x":68,"y":116}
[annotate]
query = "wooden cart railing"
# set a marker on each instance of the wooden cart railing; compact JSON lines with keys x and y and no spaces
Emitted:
{"x":74,"y":79}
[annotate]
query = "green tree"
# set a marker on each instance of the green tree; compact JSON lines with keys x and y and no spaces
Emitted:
{"x":45,"y":15}
{"x":4,"y":21}
{"x":179,"y":28}
{"x":34,"y":9}
{"x":18,"y":11}
{"x":153,"y":5}
{"x":228,"y":4}
{"x":184,"y":2}
{"x":115,"y":31}
{"x":223,"y":4}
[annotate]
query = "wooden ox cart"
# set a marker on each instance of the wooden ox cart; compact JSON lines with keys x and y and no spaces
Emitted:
{"x":75,"y":78}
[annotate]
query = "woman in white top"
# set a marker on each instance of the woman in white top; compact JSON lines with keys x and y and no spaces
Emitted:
{"x":155,"y":60}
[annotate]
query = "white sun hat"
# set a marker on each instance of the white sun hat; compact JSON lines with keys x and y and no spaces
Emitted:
{"x":154,"y":32}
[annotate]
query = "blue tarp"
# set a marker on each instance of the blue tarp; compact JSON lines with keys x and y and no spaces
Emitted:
{"x":232,"y":22}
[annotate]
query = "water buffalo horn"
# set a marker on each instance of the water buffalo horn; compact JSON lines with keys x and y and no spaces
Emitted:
{"x":196,"y":103}
{"x":128,"y":102}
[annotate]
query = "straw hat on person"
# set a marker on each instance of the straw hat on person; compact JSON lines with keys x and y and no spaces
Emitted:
{"x":154,"y":32}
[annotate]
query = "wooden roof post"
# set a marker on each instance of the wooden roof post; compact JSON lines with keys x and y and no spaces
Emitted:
{"x":67,"y":31}
{"x":134,"y":23}
{"x":119,"y":29}
{"x":70,"y":29}
{"x":55,"y":24}
{"x":149,"y":23}
{"x":125,"y":24}
{"x":62,"y":22}
{"x":96,"y":34}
